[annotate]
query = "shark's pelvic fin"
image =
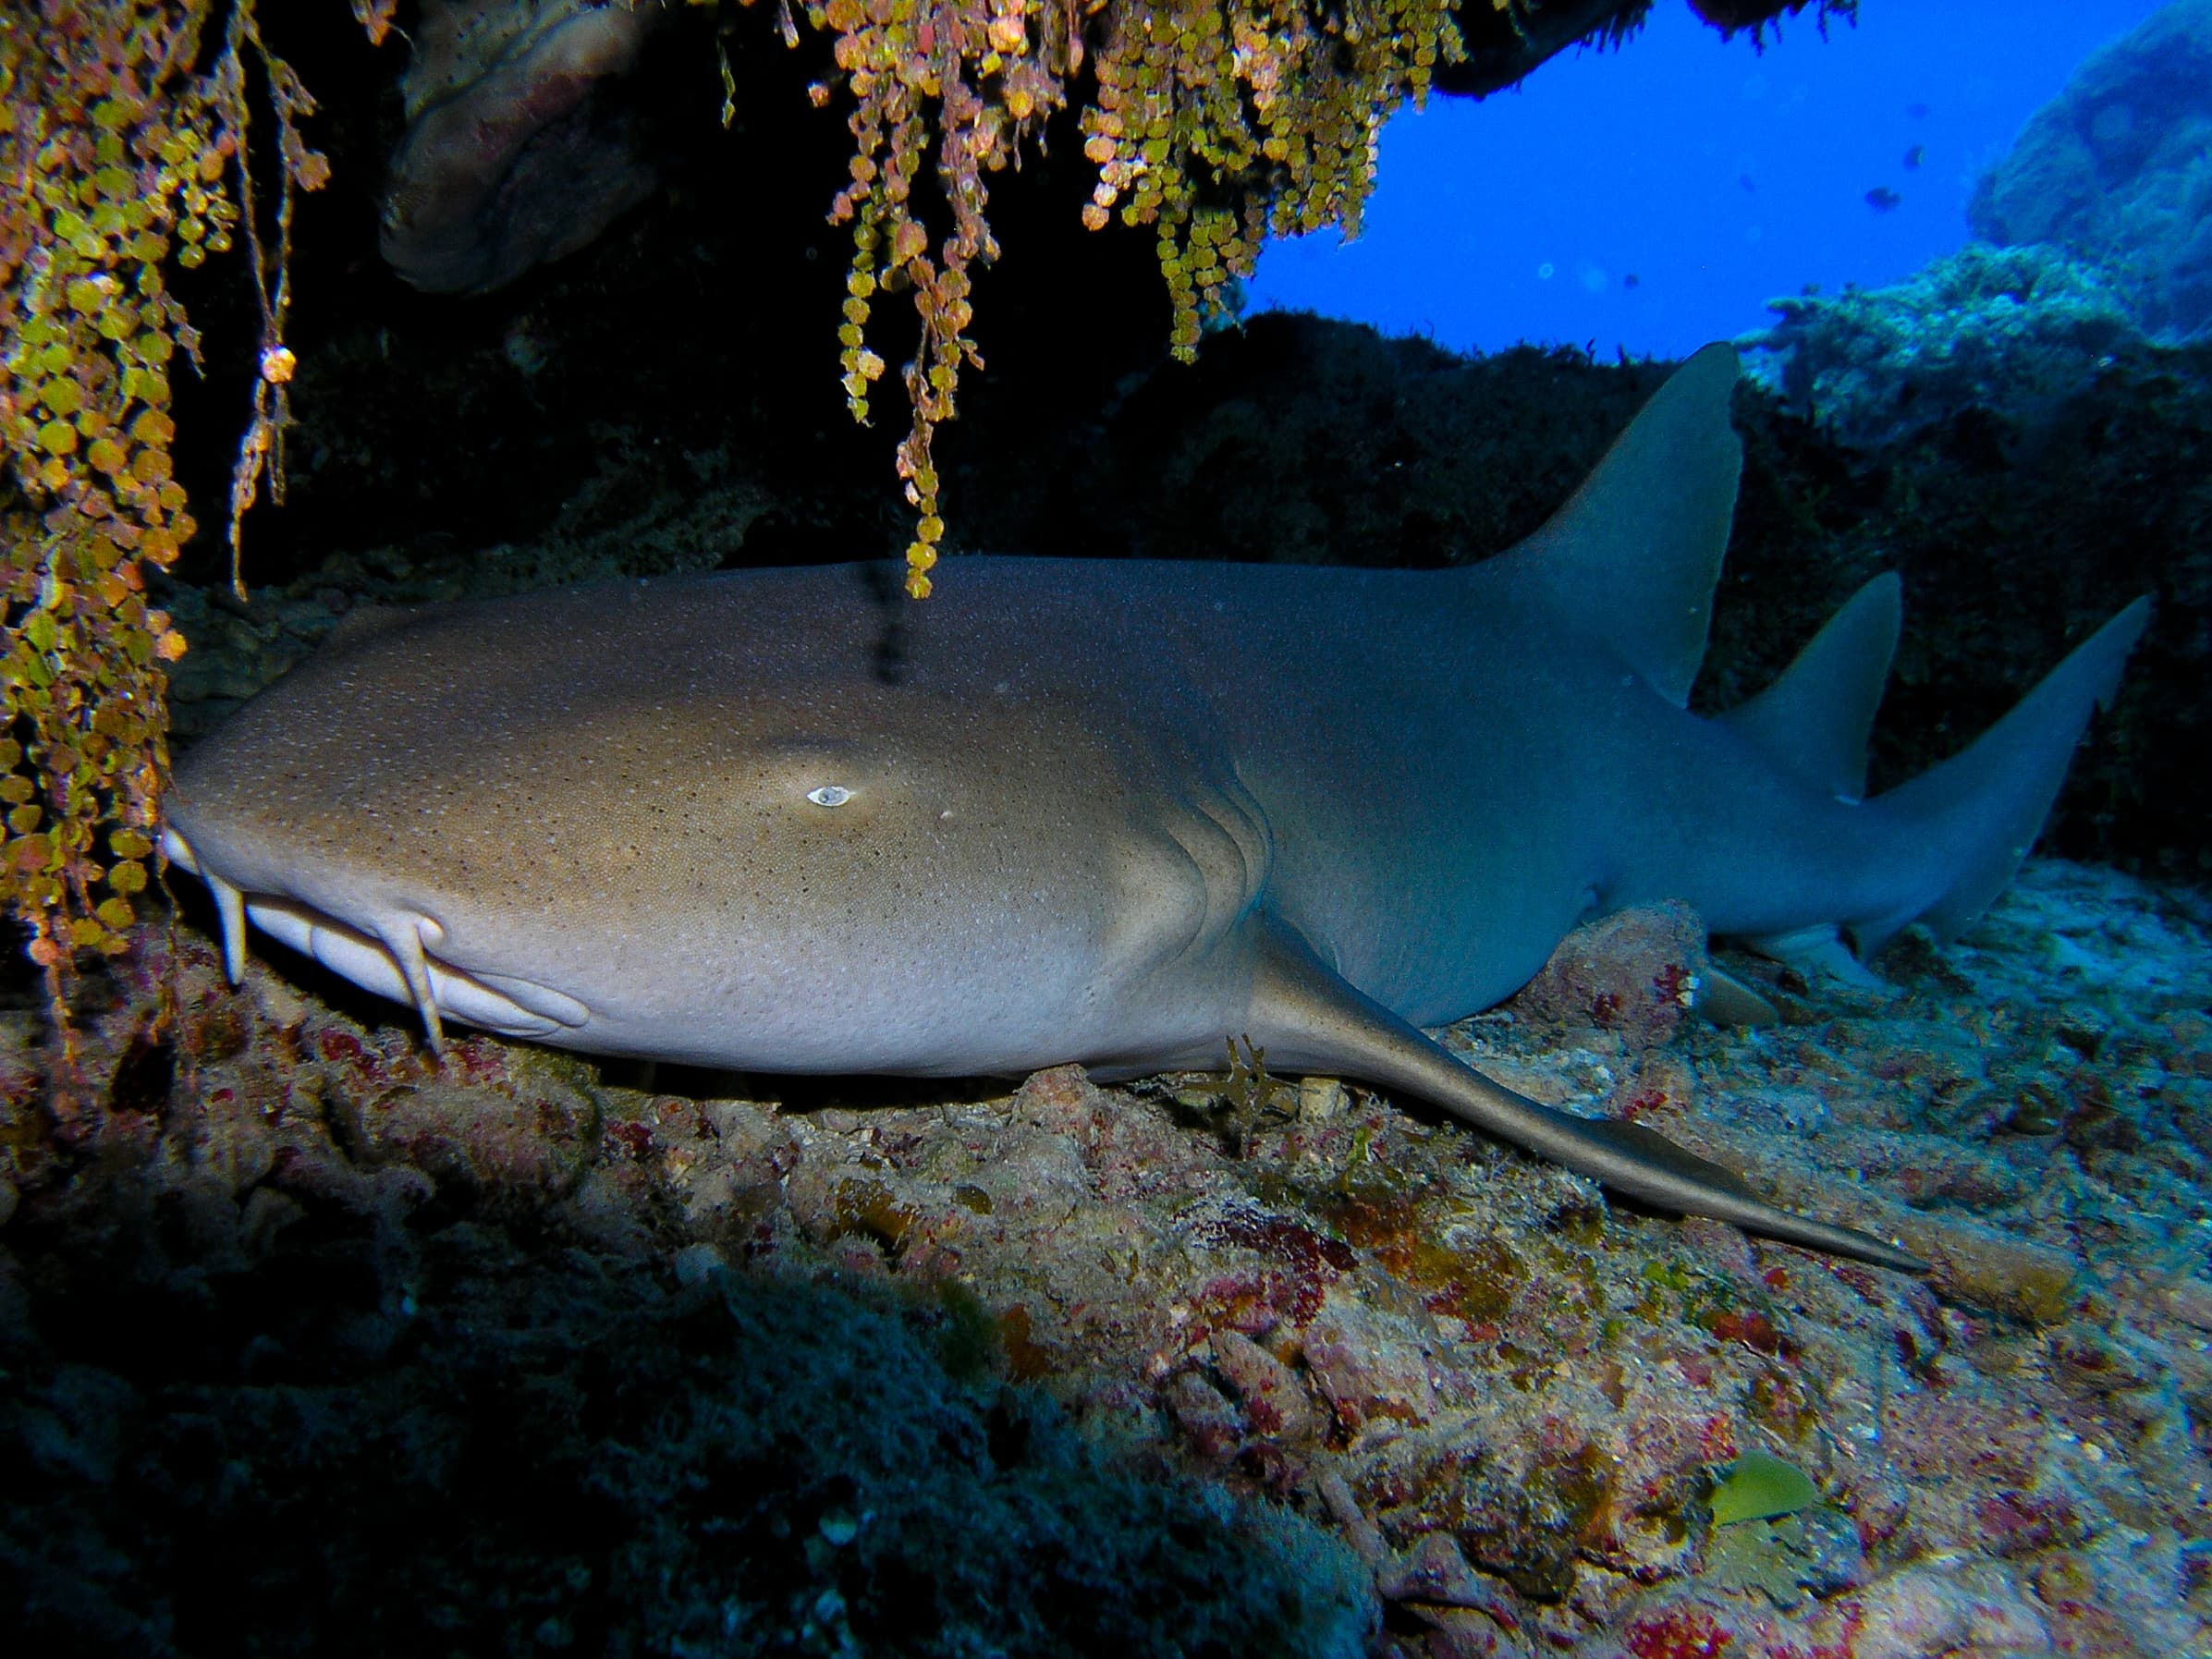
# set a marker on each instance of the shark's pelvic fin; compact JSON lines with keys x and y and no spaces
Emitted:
{"x":1726,"y":1000}
{"x":1633,"y":556}
{"x":1819,"y":949}
{"x":1813,"y":721}
{"x":1978,"y":812}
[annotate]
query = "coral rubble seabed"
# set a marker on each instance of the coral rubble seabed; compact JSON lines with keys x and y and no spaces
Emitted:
{"x":676,"y":1372}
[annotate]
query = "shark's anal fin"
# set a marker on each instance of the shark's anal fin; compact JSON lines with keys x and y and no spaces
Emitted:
{"x":1307,"y":1016}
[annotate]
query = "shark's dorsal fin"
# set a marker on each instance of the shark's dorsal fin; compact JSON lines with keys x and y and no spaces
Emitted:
{"x":1633,"y":556}
{"x":1813,"y":721}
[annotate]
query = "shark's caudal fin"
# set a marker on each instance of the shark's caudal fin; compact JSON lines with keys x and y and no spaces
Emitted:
{"x":1633,"y":556}
{"x":1974,"y":818}
{"x":1813,"y":721}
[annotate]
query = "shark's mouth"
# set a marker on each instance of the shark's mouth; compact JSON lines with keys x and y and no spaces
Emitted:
{"x":390,"y":957}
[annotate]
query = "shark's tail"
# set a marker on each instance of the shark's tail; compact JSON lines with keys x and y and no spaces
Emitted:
{"x":1969,"y":822}
{"x":1646,"y":530}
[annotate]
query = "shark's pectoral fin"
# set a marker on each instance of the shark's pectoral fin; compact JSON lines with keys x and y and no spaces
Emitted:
{"x":1648,"y":1146}
{"x":1308,"y":1018}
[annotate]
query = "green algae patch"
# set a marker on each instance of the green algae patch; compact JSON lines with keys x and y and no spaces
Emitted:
{"x":1760,"y":1487}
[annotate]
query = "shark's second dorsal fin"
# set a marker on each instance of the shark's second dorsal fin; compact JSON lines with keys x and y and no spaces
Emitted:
{"x":1813,"y":721}
{"x":1633,"y":556}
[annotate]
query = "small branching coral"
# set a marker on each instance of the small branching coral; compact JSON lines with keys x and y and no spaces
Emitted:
{"x":118,"y":157}
{"x":1212,"y":122}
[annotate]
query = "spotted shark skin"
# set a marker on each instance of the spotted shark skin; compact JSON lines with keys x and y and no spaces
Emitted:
{"x":1110,"y":811}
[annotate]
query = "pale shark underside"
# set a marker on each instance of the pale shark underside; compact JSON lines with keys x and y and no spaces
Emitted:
{"x":1109,"y":812}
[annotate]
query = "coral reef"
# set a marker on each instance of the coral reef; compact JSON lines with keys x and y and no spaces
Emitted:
{"x":2115,"y":170}
{"x":287,"y":1288}
{"x":298,"y":1331}
{"x":2013,"y":331}
{"x":118,"y":155}
{"x":1635,"y":973}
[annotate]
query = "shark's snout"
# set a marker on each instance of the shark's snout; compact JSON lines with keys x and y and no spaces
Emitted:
{"x":390,"y":954}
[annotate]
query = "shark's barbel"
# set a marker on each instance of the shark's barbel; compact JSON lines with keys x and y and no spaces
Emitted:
{"x":1109,"y":812}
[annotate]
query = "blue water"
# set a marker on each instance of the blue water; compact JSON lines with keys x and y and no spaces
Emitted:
{"x":1654,"y":197}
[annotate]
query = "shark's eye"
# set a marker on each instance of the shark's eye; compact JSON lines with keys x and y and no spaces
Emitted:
{"x":829,"y":795}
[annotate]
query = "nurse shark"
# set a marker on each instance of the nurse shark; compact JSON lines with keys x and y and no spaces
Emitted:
{"x":1111,"y":812}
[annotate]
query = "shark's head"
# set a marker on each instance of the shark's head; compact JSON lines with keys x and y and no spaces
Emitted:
{"x":614,"y":819}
